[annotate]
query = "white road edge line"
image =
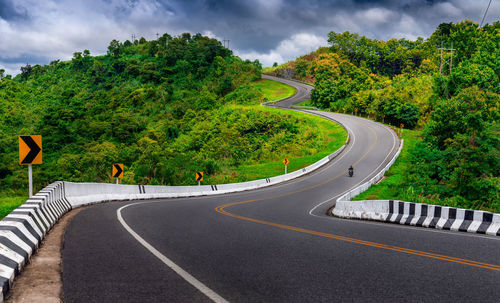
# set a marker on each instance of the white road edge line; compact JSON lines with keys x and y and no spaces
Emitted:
{"x":181,"y":272}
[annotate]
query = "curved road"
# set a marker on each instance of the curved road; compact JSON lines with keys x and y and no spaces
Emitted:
{"x":275,"y":244}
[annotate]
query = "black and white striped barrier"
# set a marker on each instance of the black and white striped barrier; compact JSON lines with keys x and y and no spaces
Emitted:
{"x":425,"y":215}
{"x":22,"y":231}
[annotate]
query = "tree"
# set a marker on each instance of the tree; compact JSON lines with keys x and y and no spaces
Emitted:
{"x":25,"y":71}
{"x":114,"y":48}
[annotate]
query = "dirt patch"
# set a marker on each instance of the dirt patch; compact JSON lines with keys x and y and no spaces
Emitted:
{"x":41,"y":280}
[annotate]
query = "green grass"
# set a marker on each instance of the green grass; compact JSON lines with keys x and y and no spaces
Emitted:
{"x":389,"y":188}
{"x":330,"y":137}
{"x":305,"y":103}
{"x":273,"y":90}
{"x":9,"y":202}
{"x":268,"y":69}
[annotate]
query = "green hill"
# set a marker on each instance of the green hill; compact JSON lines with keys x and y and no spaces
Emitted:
{"x":164,"y":108}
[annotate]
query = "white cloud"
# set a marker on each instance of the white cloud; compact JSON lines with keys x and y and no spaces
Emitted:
{"x":374,"y":16}
{"x":57,"y":30}
{"x":11,"y":68}
{"x":448,"y":10}
{"x":289,"y":49}
{"x":407,"y":28}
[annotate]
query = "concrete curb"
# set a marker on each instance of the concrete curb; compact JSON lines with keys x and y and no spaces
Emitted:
{"x":417,"y":214}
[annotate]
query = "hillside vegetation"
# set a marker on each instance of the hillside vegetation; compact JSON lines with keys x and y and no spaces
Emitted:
{"x":164,"y":108}
{"x":455,"y":159}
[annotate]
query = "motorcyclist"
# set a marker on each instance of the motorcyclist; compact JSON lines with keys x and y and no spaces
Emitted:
{"x":351,"y":171}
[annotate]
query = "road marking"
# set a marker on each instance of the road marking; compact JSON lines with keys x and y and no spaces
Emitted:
{"x":181,"y":272}
{"x":221,"y":209}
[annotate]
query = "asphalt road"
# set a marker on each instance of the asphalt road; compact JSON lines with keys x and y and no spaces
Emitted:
{"x":275,"y":245}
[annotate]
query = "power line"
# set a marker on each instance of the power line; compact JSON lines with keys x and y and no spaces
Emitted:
{"x":443,"y":62}
{"x":485,"y":13}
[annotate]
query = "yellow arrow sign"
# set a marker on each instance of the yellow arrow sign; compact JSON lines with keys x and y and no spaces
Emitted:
{"x":118,"y":170}
{"x":30,"y":149}
{"x":286,"y":161}
{"x":199,"y":176}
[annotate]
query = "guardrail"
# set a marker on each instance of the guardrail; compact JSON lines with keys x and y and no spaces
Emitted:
{"x":304,"y":107}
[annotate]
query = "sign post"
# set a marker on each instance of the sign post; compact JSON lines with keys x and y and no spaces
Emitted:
{"x":30,"y":152}
{"x":118,"y":172}
{"x":286,"y":161}
{"x":30,"y":180}
{"x":199,"y":177}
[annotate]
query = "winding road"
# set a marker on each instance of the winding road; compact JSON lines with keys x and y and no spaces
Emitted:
{"x":275,"y":244}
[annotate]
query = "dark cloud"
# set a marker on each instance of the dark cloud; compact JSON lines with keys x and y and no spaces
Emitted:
{"x":9,"y":12}
{"x":271,"y":30}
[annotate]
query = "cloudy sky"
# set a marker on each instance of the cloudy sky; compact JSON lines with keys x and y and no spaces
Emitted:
{"x":39,"y":31}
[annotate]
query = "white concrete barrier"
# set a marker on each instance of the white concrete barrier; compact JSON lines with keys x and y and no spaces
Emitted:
{"x":79,"y":194}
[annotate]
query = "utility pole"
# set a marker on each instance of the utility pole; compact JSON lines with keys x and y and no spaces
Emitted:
{"x":227,"y":43}
{"x":443,"y":62}
{"x":157,"y":36}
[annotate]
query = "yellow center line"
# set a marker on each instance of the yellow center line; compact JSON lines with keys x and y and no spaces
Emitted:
{"x":221,"y":209}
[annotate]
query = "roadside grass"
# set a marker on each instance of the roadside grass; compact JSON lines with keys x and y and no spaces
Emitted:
{"x":268,"y":69}
{"x":9,"y":202}
{"x":393,"y":184}
{"x":273,"y":90}
{"x":305,"y":103}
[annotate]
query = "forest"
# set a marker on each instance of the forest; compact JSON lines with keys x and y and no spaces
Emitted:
{"x":165,"y":108}
{"x":451,"y":99}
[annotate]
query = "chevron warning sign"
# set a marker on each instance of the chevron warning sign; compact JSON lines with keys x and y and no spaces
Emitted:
{"x":30,"y":149}
{"x":118,"y":171}
{"x":199,"y":176}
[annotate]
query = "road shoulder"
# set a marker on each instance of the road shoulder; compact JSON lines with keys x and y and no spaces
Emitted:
{"x":41,"y":280}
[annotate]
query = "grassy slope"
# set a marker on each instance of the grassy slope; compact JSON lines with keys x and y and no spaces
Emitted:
{"x":8,"y":203}
{"x":305,"y":103}
{"x":331,"y":136}
{"x":273,"y":90}
{"x":389,"y":187}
